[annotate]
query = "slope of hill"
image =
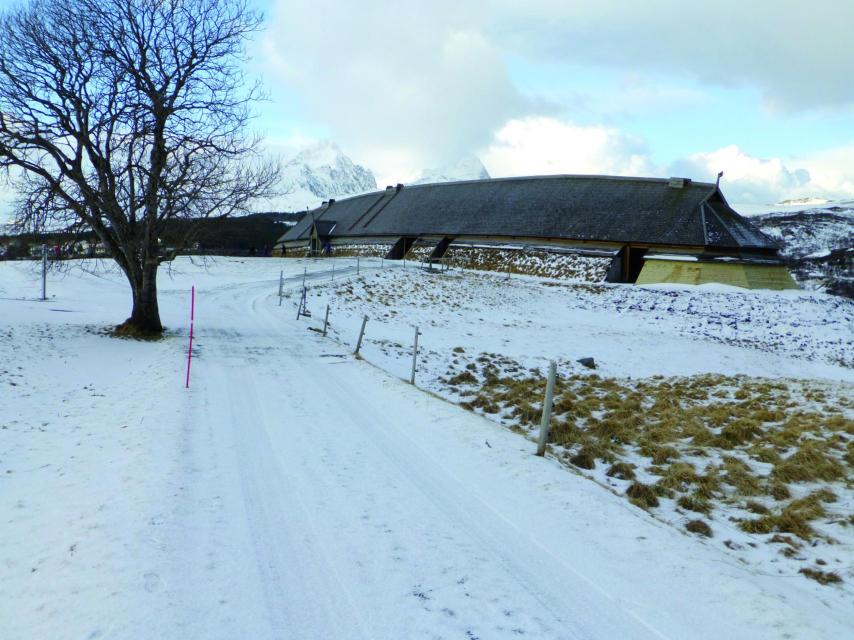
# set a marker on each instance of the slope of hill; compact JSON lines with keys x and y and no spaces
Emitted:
{"x":296,"y":489}
{"x":818,"y":244}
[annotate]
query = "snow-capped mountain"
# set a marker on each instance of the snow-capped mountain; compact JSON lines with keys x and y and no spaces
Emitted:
{"x":818,"y":244}
{"x":319,"y":172}
{"x":467,"y":168}
{"x":812,"y":231}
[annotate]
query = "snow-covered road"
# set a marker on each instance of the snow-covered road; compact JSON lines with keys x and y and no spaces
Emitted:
{"x":320,"y":497}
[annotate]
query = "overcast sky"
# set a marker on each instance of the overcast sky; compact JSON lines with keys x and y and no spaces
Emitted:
{"x":761,"y":90}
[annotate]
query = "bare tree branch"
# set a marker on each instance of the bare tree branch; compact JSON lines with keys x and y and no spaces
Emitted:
{"x":121,"y":115}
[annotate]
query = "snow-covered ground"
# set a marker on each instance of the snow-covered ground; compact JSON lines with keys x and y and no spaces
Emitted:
{"x":297,"y":492}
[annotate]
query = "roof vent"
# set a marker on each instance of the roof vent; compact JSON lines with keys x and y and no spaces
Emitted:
{"x":398,"y":187}
{"x":389,"y":188}
{"x":331,"y":201}
{"x":324,"y":203}
{"x":678,"y":183}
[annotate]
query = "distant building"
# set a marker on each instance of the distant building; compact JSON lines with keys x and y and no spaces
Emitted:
{"x":651,"y":230}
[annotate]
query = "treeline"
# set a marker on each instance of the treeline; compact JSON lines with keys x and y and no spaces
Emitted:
{"x":241,"y":236}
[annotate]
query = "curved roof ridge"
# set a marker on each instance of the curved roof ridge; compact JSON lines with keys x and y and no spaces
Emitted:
{"x":549,"y":176}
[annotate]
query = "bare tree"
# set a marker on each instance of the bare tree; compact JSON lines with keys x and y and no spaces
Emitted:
{"x":121,"y":115}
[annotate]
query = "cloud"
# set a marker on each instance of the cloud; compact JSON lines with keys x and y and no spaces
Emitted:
{"x":543,"y":145}
{"x":748,"y":179}
{"x":403,"y":86}
{"x":396,"y":82}
{"x":798,"y":55}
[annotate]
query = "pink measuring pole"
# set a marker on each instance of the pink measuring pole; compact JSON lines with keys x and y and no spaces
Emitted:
{"x":190,"y":351}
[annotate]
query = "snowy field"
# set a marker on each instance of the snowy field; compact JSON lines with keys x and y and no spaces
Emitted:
{"x":297,"y":492}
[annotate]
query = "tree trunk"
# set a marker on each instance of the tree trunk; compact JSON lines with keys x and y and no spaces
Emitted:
{"x":145,"y":317}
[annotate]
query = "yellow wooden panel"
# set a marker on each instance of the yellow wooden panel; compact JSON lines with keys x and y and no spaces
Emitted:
{"x":748,"y":276}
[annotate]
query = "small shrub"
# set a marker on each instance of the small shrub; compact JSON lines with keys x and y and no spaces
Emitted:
{"x":700,"y":527}
{"x":642,"y":495}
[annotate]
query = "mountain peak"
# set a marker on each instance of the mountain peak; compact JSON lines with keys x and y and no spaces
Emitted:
{"x":466,"y":168}
{"x":321,"y":171}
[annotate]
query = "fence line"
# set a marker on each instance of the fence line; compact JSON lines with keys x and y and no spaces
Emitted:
{"x":327,"y":323}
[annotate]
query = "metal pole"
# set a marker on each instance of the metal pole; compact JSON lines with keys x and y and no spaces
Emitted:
{"x":44,"y":272}
{"x":325,"y":321}
{"x":547,"y":410}
{"x":414,"y":356}
{"x":304,"y":271}
{"x":333,"y":269}
{"x":357,"y":265}
{"x":361,"y":333}
{"x":281,"y":284}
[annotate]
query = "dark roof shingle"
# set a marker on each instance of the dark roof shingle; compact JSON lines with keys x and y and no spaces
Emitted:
{"x":595,"y":208}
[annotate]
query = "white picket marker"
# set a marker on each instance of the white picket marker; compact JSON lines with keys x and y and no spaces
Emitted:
{"x":44,"y":272}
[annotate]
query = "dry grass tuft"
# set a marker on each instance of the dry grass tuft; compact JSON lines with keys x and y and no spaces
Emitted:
{"x":465,"y":377}
{"x":757,"y":507}
{"x":584,"y":459}
{"x":812,"y":461}
{"x":822,"y":577}
{"x":642,"y":495}
{"x":695,"y":503}
{"x":739,"y":476}
{"x":700,"y":527}
{"x":679,"y":476}
{"x":621,"y":470}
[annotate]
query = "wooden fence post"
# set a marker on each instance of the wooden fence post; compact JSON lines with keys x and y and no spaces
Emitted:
{"x":414,"y":356}
{"x":325,"y":321}
{"x":361,"y":333}
{"x":281,"y":284}
{"x":547,"y":410}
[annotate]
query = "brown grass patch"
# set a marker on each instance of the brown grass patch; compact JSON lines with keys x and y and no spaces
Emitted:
{"x":621,"y":470}
{"x":822,"y":577}
{"x":700,"y":527}
{"x":811,"y":462}
{"x":642,"y":495}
